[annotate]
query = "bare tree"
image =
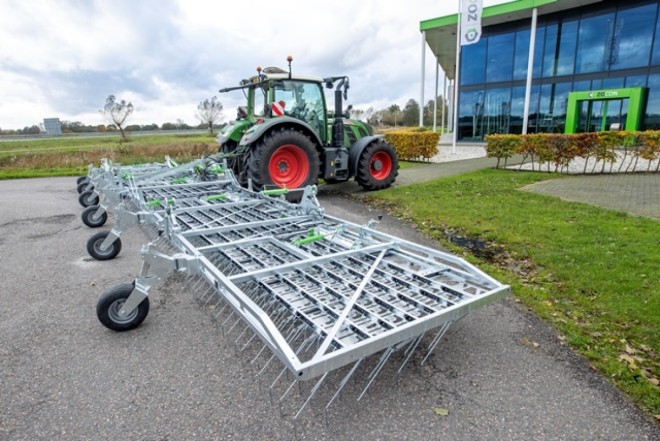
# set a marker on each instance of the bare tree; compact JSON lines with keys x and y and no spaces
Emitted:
{"x":209,"y":112}
{"x":117,"y":112}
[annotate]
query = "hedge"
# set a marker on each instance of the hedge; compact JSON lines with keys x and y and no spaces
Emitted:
{"x":560,"y":149}
{"x":414,"y":144}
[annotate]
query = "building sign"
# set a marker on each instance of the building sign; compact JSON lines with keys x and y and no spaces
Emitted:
{"x":471,"y":11}
{"x":604,"y":94}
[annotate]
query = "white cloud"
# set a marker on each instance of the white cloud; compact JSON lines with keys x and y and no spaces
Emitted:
{"x":63,"y":58}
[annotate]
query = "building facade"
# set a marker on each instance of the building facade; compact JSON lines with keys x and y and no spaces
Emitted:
{"x":596,"y":66}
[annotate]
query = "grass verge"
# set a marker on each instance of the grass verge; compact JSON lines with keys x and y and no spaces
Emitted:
{"x":590,"y":272}
{"x":70,"y":156}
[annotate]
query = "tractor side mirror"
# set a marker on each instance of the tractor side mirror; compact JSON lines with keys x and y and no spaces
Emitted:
{"x":347,"y":112}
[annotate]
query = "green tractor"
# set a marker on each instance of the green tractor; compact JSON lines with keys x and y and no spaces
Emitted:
{"x":285,"y":137}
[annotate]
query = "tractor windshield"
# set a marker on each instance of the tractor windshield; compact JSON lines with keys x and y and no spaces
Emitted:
{"x":302,"y":100}
{"x":259,"y":101}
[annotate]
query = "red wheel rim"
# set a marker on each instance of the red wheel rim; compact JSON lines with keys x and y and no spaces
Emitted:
{"x":289,"y":166}
{"x":380,"y":165}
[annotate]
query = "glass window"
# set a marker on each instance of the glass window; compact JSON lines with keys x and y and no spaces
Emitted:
{"x":474,"y":72}
{"x":630,"y":41}
{"x":500,"y":58}
{"x":636,"y":81}
{"x":521,"y":55}
{"x":612,"y":83}
{"x":552,"y":108}
{"x":538,"y":52}
{"x":652,"y":117}
{"x":550,"y":50}
{"x":594,"y":37}
{"x":259,"y":101}
{"x":566,"y":55}
{"x":580,"y":86}
{"x":470,"y":114}
{"x":655,"y":59}
{"x":517,"y":109}
{"x":497,"y":111}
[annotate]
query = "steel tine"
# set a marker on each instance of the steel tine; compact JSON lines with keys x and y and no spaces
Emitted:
{"x":288,"y":390}
{"x":436,"y":340}
{"x":410,"y":352}
{"x":344,"y":381}
{"x":375,"y":374}
{"x":311,"y":394}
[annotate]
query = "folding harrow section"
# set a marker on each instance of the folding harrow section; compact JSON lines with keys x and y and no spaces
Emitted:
{"x":319,"y":292}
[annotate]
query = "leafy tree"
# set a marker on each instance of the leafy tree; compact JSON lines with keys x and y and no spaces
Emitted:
{"x":411,"y":113}
{"x":168,"y":126}
{"x":209,"y":112}
{"x":117,"y":112}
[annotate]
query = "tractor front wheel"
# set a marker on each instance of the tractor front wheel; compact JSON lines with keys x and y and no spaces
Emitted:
{"x":377,"y":167}
{"x":285,"y":158}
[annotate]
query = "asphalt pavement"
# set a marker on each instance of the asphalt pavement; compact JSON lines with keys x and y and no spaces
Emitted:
{"x":500,"y":373}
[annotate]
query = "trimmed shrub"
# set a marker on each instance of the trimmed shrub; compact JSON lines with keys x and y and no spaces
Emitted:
{"x":414,"y":144}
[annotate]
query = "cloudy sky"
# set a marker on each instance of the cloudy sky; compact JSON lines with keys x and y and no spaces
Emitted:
{"x":62,"y":58}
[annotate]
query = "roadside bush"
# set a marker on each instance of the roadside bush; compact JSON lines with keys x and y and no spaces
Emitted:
{"x":560,"y":149}
{"x":414,"y":144}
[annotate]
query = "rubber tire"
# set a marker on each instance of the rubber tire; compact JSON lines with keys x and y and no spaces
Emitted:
{"x":87,"y":217}
{"x":88,"y":198}
{"x":81,"y":179}
{"x":108,"y":306}
{"x":258,"y":162}
{"x":364,"y":175}
{"x":82,"y":186}
{"x":95,"y":242}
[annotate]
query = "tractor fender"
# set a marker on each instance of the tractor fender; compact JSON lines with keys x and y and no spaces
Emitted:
{"x":233,"y":131}
{"x":257,"y":131}
{"x":356,"y":150}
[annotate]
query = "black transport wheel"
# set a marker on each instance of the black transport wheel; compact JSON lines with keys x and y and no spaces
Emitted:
{"x":92,"y":221}
{"x":284,"y":158}
{"x":83,"y":186}
{"x":111,"y":302}
{"x":81,"y":179}
{"x":94,"y":247}
{"x":88,"y":198}
{"x":377,"y":166}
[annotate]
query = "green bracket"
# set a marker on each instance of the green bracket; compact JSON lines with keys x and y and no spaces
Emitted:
{"x":218,"y":169}
{"x":126,"y":176}
{"x":215,"y":197}
{"x":179,"y":181}
{"x":275,"y":192}
{"x":158,"y":203}
{"x":311,"y":237}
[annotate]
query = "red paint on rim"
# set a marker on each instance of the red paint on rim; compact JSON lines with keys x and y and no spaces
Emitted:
{"x":380,"y":165}
{"x":289,"y":166}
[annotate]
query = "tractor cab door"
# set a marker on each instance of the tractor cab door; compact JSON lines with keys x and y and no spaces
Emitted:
{"x":304,"y":101}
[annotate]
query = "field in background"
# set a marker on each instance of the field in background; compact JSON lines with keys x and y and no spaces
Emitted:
{"x":70,"y":156}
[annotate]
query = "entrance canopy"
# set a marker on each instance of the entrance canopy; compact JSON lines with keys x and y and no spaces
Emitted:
{"x":440,"y":33}
{"x":600,"y":110}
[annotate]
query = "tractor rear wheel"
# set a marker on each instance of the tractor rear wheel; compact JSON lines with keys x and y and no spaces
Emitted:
{"x":377,"y":166}
{"x":285,"y":158}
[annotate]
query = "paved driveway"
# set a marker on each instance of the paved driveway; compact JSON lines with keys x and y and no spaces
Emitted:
{"x":500,"y":372}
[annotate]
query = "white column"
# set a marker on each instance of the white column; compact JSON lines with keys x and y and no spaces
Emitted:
{"x":421,"y":98}
{"x":456,"y":81}
{"x":530,"y":68}
{"x":435,"y":97}
{"x":444,"y":98}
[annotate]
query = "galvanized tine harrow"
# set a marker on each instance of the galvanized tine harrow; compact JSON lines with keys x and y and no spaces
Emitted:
{"x":302,"y":294}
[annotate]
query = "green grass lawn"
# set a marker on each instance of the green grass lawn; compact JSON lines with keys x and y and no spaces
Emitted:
{"x":592,"y":273}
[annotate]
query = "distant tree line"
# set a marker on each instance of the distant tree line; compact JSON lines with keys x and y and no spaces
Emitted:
{"x":209,"y":113}
{"x":394,"y":116}
{"x":79,"y":127}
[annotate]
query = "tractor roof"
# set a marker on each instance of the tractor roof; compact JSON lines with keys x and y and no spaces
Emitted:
{"x":285,"y":76}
